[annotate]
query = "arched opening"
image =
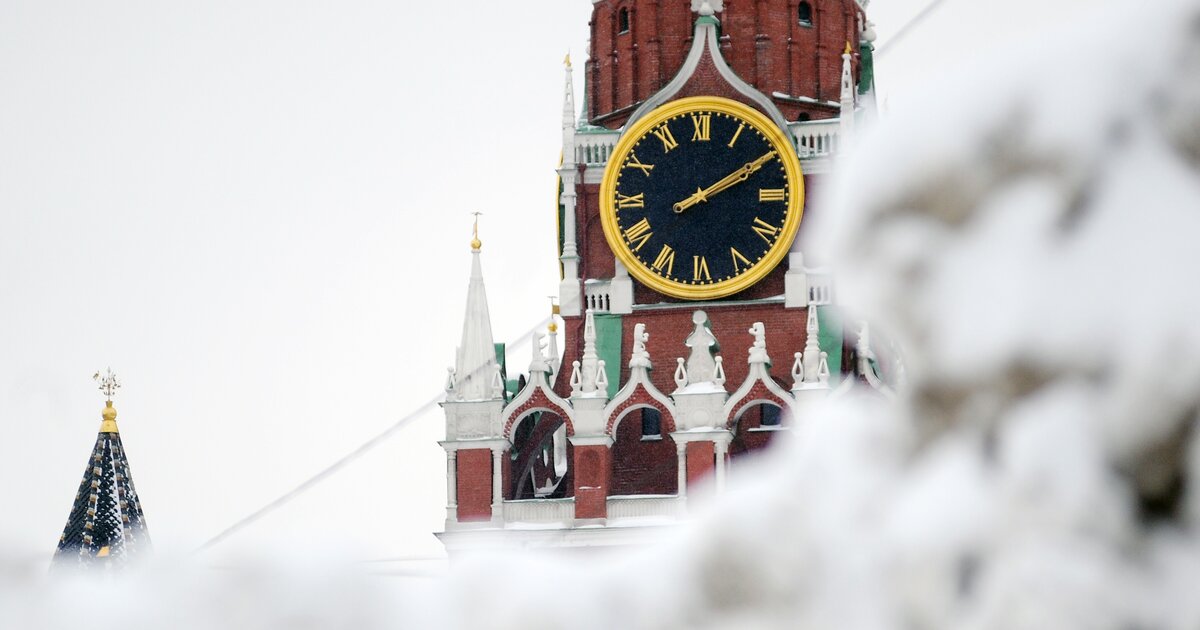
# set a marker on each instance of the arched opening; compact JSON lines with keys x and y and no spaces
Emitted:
{"x":540,"y":459}
{"x":643,"y":455}
{"x":623,"y":20}
{"x":756,"y":426}
{"x":805,"y":14}
{"x":803,"y":117}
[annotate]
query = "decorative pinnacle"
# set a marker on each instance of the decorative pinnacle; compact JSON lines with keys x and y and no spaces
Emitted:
{"x":553,"y":327}
{"x":108,"y":384}
{"x":567,"y":60}
{"x":476,"y":244}
{"x":848,"y":49}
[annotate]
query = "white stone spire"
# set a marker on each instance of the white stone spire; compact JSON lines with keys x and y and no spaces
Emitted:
{"x":476,"y":362}
{"x":812,"y":346}
{"x":569,"y":289}
{"x":590,"y":364}
{"x":568,"y":112}
{"x":846,"y":120}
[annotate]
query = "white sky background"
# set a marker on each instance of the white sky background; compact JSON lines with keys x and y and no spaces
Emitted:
{"x":257,"y":214}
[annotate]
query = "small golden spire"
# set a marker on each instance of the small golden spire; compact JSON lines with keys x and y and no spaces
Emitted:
{"x":848,"y":49}
{"x":476,"y":244}
{"x":108,"y":386}
{"x":554,"y":310}
{"x":567,"y":61}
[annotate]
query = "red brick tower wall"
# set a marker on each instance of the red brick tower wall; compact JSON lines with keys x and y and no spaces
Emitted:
{"x":762,"y":40}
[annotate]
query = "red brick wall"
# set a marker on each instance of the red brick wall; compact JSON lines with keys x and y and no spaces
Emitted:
{"x":762,"y":40}
{"x":701,"y":458}
{"x":592,"y":472}
{"x":643,"y":467}
{"x":474,"y":484}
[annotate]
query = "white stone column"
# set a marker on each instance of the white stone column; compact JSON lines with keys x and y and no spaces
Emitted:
{"x":620,"y":291}
{"x":721,"y":447}
{"x":451,"y":485}
{"x":497,"y":478}
{"x":681,"y":463}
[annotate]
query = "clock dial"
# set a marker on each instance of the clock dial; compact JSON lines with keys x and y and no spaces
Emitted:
{"x":702,"y":198}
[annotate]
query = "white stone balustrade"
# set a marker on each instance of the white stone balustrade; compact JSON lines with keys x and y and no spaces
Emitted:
{"x":597,"y":296}
{"x":820,"y":288}
{"x":645,"y":506}
{"x":540,"y":511}
{"x":816,"y":138}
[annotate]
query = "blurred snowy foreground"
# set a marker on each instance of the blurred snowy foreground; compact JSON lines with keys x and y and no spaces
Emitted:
{"x":1031,"y":242}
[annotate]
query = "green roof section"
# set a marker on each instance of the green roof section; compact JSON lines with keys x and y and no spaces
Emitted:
{"x":608,"y":349}
{"x":830,"y":339}
{"x":866,"y":76}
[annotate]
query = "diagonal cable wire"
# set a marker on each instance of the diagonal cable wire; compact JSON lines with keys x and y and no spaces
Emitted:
{"x":909,"y":26}
{"x":347,"y":458}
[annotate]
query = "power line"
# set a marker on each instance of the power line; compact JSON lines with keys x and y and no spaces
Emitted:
{"x":345,"y":459}
{"x":910,"y":25}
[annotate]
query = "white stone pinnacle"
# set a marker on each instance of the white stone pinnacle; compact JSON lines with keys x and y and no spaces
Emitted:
{"x":700,"y":363}
{"x":758,"y":351}
{"x":590,"y":360}
{"x":639,"y":358}
{"x":476,"y":359}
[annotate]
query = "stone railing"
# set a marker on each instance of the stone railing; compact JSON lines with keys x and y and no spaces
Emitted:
{"x":643,"y":506}
{"x":540,"y":511}
{"x":597,"y":295}
{"x":816,"y":138}
{"x":594,"y":147}
{"x":820,"y":288}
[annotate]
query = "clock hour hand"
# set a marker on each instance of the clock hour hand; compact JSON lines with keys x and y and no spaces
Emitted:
{"x":738,"y":176}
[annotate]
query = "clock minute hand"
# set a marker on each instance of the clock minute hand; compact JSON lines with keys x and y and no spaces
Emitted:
{"x":740,"y":175}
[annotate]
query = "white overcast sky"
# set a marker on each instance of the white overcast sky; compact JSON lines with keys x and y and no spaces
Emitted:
{"x":258,"y":214}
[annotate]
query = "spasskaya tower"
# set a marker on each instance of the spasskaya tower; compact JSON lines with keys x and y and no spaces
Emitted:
{"x":692,"y":331}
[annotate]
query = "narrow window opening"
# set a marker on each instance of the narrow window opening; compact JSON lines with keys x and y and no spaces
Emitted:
{"x":623,"y":20}
{"x":770,"y":415}
{"x":805,"y":14}
{"x":651,"y":423}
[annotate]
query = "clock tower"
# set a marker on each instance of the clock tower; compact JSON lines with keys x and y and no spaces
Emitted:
{"x":692,"y":330}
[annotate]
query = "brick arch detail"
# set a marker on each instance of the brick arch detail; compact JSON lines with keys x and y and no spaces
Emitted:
{"x":759,"y":392}
{"x":539,"y":401}
{"x":640,"y":398}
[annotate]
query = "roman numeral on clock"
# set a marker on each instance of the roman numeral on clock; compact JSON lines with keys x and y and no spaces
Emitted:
{"x":737,"y":133}
{"x":666,"y":259}
{"x":700,"y":268}
{"x":702,"y":123}
{"x":738,"y":258}
{"x":631,"y":201}
{"x":634,"y":162}
{"x":764,"y":229}
{"x":770,"y":194}
{"x":638,"y":234}
{"x":668,"y":139}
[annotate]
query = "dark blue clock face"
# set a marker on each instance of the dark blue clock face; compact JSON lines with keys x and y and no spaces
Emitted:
{"x":701,"y":198}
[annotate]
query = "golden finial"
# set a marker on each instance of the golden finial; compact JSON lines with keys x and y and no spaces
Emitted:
{"x":567,"y":61}
{"x":848,"y":49}
{"x":108,"y":386}
{"x":476,"y":244}
{"x":553,"y":327}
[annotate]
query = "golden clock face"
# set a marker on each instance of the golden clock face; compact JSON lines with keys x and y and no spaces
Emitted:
{"x":701,"y":198}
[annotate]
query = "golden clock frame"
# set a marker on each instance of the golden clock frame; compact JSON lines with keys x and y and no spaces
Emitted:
{"x":777,"y":138}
